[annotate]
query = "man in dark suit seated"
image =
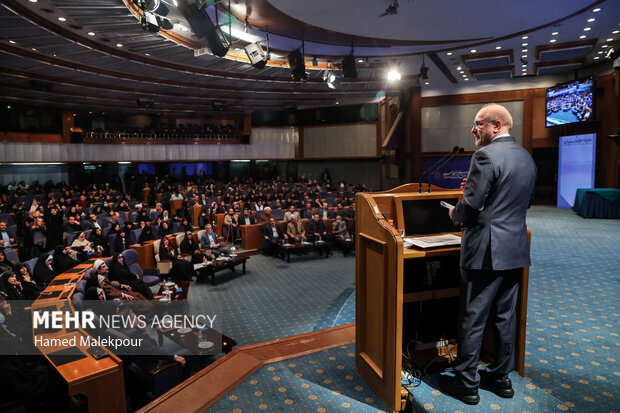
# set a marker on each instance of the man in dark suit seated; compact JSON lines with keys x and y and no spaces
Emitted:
{"x":316,"y":229}
{"x":248,"y":218}
{"x":272,"y":237}
{"x":211,"y":241}
{"x":494,"y":250}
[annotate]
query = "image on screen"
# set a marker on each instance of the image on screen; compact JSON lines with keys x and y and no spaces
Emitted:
{"x":570,"y":102}
{"x":427,"y":216}
{"x":575,"y":166}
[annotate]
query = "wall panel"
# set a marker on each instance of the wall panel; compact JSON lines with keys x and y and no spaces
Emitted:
{"x":340,"y":141}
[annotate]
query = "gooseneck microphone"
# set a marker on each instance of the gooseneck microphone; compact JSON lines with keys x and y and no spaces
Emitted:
{"x":434,"y":167}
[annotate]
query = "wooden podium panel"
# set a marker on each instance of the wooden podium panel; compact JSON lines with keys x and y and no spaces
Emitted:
{"x":383,"y":268}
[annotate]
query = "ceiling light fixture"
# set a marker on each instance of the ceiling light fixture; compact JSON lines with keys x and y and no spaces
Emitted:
{"x":360,"y":60}
{"x":12,"y":41}
{"x":596,"y":57}
{"x":583,"y":36}
{"x":524,"y":51}
{"x":596,"y":10}
{"x":458,"y":68}
{"x":427,"y":83}
{"x":119,"y":45}
{"x":523,"y":65}
{"x":62,"y":19}
{"x":473,"y":51}
{"x":552,"y":41}
{"x":587,"y":29}
{"x":449,"y":54}
{"x":615,"y":32}
{"x":590,"y":20}
{"x":498,"y":47}
{"x":605,"y":46}
{"x":33,"y":1}
{"x":555,"y":33}
{"x":525,"y":37}
{"x":524,"y":44}
{"x":609,"y":40}
{"x":91,"y":33}
{"x":600,"y":52}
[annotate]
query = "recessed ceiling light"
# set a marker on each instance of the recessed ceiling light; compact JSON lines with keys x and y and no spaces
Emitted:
{"x":91,"y":33}
{"x":605,"y":46}
{"x":587,"y":29}
{"x":12,"y":41}
{"x":601,"y":52}
{"x":555,"y":33}
{"x":498,"y":47}
{"x":596,"y":10}
{"x":523,"y":44}
{"x":34,"y":49}
{"x":590,"y":20}
{"x":525,"y":37}
{"x":466,"y":79}
{"x":583,"y":36}
{"x":596,"y":57}
{"x":360,"y":60}
{"x":119,"y":45}
{"x":523,"y":65}
{"x":461,"y":71}
{"x":62,"y":19}
{"x":524,"y":51}
{"x":449,"y":54}
{"x":237,"y":49}
{"x":8,"y":107}
{"x":609,"y":40}
{"x":464,"y":75}
{"x":427,"y":83}
{"x":473,"y":50}
{"x":459,"y":68}
{"x":524,"y":70}
{"x":147,"y":54}
{"x":337,"y":103}
{"x":615,"y":32}
{"x":33,"y":1}
{"x":552,"y":41}
{"x":524,"y":56}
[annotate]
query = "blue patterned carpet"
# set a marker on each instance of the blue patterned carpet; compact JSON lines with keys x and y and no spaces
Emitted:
{"x":572,"y":335}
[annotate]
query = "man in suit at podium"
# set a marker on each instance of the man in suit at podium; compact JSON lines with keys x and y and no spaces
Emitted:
{"x":494,"y":250}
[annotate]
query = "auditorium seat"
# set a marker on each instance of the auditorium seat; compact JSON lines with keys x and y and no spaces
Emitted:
{"x":149,"y":276}
{"x":165,"y":266}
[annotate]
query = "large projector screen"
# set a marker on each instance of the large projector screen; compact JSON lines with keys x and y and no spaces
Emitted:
{"x":575,"y":167}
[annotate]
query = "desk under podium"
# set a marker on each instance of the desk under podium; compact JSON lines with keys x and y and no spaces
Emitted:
{"x":407,"y":299}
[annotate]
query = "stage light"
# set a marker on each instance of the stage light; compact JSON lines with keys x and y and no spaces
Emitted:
{"x":423,"y":70}
{"x":202,"y":26}
{"x":394,"y":75}
{"x":297,"y":65}
{"x":258,"y":57}
{"x":349,"y":70}
{"x":331,"y":79}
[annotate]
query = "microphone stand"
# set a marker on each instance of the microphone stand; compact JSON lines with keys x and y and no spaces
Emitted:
{"x":460,"y":150}
{"x":453,"y":152}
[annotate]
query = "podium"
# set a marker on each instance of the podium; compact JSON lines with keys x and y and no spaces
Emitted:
{"x":407,"y":299}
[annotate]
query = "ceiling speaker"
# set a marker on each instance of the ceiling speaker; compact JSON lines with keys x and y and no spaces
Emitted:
{"x":349,"y":69}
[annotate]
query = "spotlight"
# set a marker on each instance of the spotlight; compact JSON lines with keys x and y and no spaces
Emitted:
{"x":258,"y":57}
{"x":524,"y":60}
{"x":297,"y":65}
{"x":423,"y":70}
{"x":331,"y":79}
{"x":349,"y":70}
{"x":202,"y":26}
{"x":394,"y":75}
{"x":150,"y":22}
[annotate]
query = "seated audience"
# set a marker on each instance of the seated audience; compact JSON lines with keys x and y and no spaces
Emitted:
{"x":295,"y":230}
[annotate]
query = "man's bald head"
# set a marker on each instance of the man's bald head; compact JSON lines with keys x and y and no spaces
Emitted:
{"x":490,"y":121}
{"x":498,"y":112}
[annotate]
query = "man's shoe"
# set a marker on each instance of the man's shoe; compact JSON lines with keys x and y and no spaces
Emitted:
{"x":503,"y":388}
{"x":449,"y":386}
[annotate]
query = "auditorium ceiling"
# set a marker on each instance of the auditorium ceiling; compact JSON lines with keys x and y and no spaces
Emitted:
{"x":94,"y":55}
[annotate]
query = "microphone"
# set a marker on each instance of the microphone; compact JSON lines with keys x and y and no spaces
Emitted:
{"x":453,"y":152}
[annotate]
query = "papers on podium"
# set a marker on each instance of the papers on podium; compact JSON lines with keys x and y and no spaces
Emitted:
{"x":434,"y":241}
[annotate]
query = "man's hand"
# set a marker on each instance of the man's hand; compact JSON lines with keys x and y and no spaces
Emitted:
{"x":126,"y":296}
{"x":180,"y":360}
{"x":462,"y":189}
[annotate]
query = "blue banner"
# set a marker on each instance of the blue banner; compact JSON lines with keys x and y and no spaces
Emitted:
{"x":450,"y":175}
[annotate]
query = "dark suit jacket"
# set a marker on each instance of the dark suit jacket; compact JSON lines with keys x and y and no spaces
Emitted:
{"x":497,"y":195}
{"x":316,"y":227}
{"x":268,"y":232}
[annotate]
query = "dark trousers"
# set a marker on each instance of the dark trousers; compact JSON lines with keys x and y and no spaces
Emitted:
{"x":484,"y":293}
